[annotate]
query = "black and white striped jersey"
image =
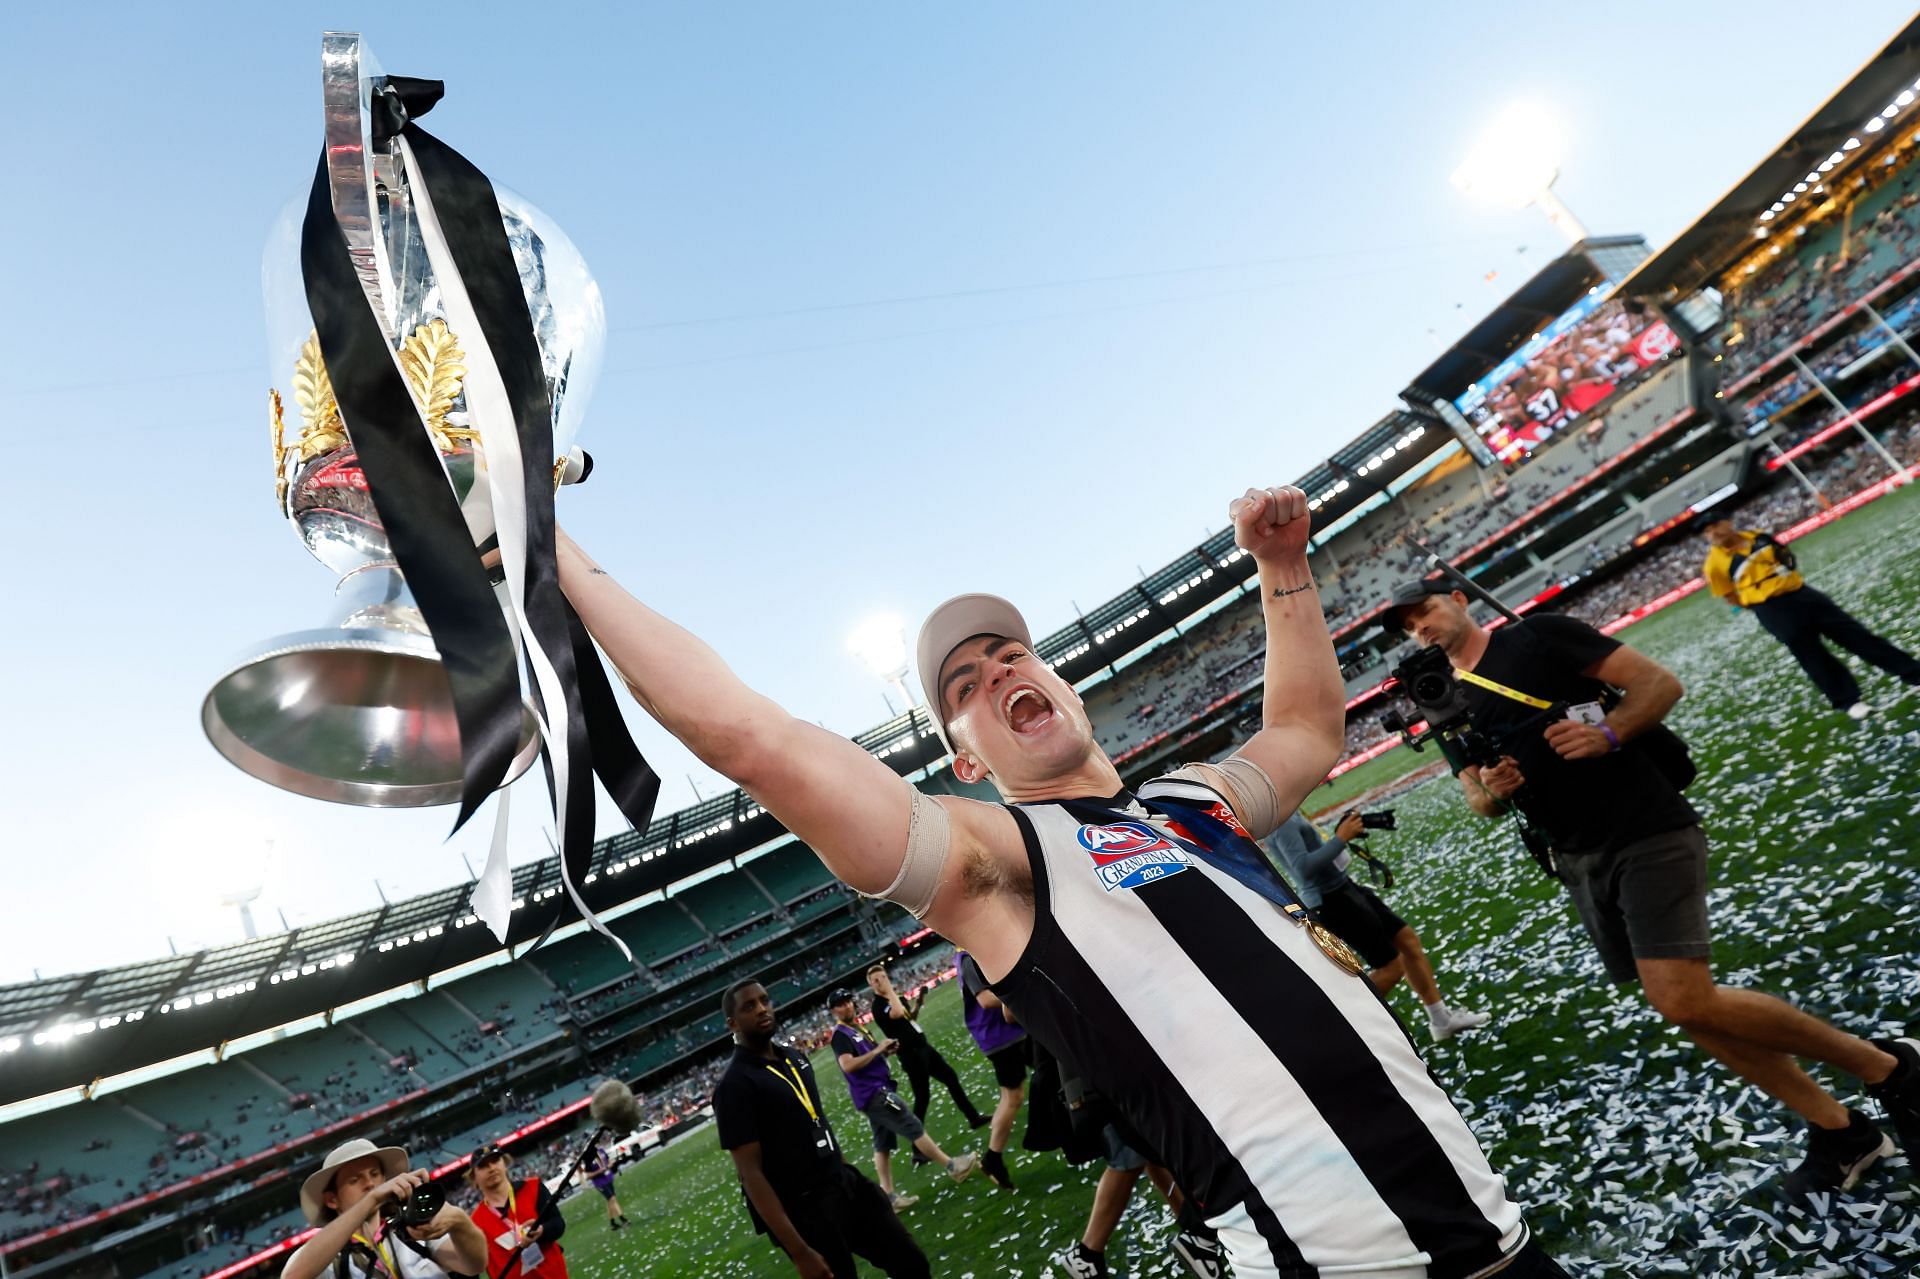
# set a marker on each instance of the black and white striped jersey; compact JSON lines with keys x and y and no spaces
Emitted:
{"x":1285,"y":1098}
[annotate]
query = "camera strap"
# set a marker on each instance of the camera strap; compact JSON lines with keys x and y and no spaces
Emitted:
{"x":1499,"y":689}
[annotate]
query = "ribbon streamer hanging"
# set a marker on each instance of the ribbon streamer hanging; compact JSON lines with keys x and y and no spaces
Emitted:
{"x":509,"y":405}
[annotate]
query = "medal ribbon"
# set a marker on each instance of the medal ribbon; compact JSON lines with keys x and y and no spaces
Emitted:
{"x":1235,"y":855}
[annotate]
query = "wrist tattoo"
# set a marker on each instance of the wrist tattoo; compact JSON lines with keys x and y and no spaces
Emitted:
{"x":1282,"y":592}
{"x":597,"y":572}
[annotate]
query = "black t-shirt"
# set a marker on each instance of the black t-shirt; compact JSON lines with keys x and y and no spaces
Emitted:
{"x":756,"y":1100}
{"x":912,"y":1042}
{"x":1586,"y":805}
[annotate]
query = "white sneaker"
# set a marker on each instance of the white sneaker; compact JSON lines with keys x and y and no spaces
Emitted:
{"x":1859,"y":711}
{"x":1454,"y":1022}
{"x":1076,"y":1262}
{"x":903,"y":1201}
{"x":962,"y":1167}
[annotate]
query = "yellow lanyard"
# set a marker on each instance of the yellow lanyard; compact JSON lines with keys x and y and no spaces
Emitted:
{"x":507,"y":1214}
{"x":793,"y":1081}
{"x":1481,"y":681}
{"x":384,"y":1254}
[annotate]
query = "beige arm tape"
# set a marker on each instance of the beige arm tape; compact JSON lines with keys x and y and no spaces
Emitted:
{"x":1248,"y":790}
{"x":929,"y":840}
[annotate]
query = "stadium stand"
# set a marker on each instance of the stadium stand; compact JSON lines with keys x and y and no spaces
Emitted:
{"x":1862,"y":235}
{"x":790,"y":873}
{"x":724,"y":903}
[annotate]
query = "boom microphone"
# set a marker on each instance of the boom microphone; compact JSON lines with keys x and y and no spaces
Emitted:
{"x":613,"y":1108}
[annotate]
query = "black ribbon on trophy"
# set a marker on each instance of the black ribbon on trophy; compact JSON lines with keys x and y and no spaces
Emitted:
{"x":412,"y":231}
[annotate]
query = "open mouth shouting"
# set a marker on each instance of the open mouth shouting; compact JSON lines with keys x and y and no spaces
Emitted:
{"x":1026,"y":710}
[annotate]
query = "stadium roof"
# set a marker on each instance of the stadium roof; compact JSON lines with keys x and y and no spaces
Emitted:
{"x":1595,"y":263}
{"x":1375,"y":458}
{"x":1700,"y":255}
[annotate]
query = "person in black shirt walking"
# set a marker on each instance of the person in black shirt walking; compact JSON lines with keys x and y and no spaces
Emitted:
{"x":799,"y":1189}
{"x":894,"y":1015}
{"x":1595,"y":776}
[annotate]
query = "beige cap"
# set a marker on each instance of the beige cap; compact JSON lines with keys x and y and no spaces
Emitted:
{"x":393,"y":1162}
{"x":953,"y":624}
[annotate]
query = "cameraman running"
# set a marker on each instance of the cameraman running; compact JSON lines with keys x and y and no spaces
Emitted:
{"x":1597,"y":784}
{"x":1318,"y":868}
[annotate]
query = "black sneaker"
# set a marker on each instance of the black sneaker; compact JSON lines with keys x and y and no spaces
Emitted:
{"x":919,"y":1158}
{"x":1202,"y":1253}
{"x":1836,"y":1157}
{"x":1899,"y":1093}
{"x":1081,"y":1262}
{"x":993,"y":1166}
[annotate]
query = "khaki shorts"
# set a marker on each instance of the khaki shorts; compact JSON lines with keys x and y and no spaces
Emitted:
{"x":1647,"y":900}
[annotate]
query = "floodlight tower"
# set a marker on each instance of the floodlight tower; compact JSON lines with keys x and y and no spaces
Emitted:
{"x":1515,"y":163}
{"x":244,"y":899}
{"x":880,"y":643}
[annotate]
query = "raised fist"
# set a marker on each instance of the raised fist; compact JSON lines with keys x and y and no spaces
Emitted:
{"x":1271,"y":524}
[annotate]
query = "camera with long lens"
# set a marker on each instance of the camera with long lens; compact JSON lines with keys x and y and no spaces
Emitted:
{"x":417,"y":1209}
{"x":1426,"y":679}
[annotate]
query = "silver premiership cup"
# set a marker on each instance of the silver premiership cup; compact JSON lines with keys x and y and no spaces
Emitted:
{"x":359,"y":709}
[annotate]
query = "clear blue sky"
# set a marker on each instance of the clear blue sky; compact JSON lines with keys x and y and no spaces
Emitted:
{"x":1150,"y":255}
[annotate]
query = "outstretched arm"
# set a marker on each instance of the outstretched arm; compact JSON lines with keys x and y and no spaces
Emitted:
{"x":1303,"y":708}
{"x":840,"y":801}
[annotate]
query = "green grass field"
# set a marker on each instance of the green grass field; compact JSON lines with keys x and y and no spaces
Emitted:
{"x":1632,"y":1154}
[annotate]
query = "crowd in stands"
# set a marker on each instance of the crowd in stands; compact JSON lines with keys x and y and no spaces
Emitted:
{"x":1455,"y":512}
{"x":1785,"y":504}
{"x":1218,"y":658}
{"x":1805,"y":284}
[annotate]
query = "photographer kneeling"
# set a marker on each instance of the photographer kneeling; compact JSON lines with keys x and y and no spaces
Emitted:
{"x":1596,"y":779}
{"x":377,"y":1219}
{"x":1355,"y":913}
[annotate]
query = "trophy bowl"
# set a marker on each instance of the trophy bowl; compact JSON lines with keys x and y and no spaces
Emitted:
{"x":360,"y":710}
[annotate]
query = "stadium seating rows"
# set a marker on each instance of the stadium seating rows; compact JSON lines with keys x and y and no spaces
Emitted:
{"x":1218,"y":656}
{"x":1830,"y":264}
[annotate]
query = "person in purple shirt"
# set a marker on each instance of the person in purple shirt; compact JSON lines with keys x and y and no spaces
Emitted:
{"x":1004,"y":1042}
{"x":870,"y":1083}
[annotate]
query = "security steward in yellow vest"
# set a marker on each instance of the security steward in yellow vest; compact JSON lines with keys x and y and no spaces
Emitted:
{"x":1751,"y":570}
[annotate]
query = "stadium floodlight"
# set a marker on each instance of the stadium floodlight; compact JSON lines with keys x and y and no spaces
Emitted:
{"x":880,"y":643}
{"x":1515,"y":163}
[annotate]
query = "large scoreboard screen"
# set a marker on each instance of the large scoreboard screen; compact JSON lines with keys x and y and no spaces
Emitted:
{"x":1561,"y":372}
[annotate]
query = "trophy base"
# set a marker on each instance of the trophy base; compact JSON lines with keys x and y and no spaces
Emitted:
{"x":353,"y":716}
{"x":357,"y":713}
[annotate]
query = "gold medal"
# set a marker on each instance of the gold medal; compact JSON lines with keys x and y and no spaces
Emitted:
{"x":1331,"y":945}
{"x":1335,"y":949}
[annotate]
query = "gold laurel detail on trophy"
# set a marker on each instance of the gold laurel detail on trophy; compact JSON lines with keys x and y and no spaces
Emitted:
{"x":433,"y":362}
{"x":278,"y":413}
{"x":321,"y":430}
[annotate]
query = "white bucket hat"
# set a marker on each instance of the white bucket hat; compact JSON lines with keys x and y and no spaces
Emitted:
{"x":393,"y":1162}
{"x":951,"y":625}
